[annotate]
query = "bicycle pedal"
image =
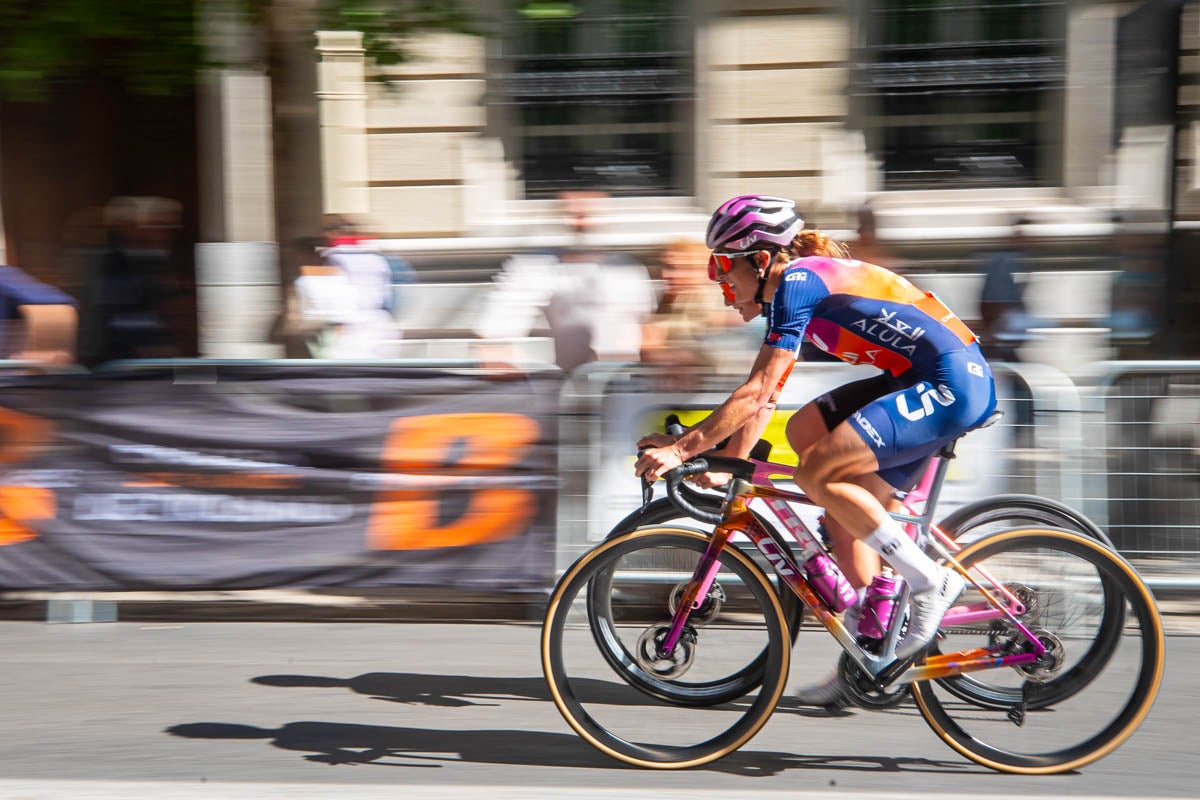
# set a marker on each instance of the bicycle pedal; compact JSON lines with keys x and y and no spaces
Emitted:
{"x":1016,"y":714}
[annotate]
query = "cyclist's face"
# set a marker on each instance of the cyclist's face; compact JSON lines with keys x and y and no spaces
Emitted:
{"x":739,"y":285}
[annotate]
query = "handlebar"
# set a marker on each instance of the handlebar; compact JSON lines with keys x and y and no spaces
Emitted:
{"x":679,"y":494}
{"x":683,"y":496}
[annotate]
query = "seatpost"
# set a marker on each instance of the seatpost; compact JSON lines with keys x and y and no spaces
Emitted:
{"x":939,"y":477}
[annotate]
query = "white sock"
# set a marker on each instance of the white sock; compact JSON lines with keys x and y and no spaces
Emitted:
{"x":891,"y":542}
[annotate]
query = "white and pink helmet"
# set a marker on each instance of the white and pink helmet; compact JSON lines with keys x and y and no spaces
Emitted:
{"x":750,"y":221}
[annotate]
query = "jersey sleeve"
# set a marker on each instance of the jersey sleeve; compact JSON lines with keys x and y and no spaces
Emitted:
{"x":792,"y":308}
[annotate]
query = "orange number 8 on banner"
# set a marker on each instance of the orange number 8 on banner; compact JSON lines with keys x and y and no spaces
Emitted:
{"x":408,"y":520}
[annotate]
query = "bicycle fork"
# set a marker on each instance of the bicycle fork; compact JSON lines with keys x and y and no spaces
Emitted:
{"x":697,"y":588}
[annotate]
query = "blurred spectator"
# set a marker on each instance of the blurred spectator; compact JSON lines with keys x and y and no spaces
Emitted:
{"x":39,"y":320}
{"x":132,"y":291}
{"x":1137,"y":292}
{"x":679,"y":335}
{"x":342,"y":308}
{"x":593,"y":303}
{"x":866,"y":245}
{"x":1004,"y":320}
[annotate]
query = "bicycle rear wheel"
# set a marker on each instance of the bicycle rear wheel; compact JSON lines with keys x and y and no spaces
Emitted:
{"x":1095,"y":683}
{"x":1005,"y":512}
{"x":630,"y":712}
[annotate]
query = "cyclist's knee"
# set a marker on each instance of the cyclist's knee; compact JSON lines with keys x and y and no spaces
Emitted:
{"x":813,"y":472}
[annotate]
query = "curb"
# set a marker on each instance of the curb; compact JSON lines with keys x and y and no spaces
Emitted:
{"x":274,"y":606}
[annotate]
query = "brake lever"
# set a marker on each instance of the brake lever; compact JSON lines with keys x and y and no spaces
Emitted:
{"x":647,"y":486}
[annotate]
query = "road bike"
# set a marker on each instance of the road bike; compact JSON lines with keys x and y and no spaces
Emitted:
{"x":1050,"y":659}
{"x":968,"y":522}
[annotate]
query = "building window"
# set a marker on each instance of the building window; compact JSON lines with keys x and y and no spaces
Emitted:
{"x":599,"y":95}
{"x":957,"y":93}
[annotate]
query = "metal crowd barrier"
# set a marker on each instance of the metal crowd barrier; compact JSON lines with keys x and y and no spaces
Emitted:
{"x":1142,"y":434}
{"x":1123,"y":448}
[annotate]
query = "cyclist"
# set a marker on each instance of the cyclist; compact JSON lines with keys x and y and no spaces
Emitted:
{"x":860,"y":443}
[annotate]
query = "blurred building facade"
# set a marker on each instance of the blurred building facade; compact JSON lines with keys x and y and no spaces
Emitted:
{"x":949,"y":117}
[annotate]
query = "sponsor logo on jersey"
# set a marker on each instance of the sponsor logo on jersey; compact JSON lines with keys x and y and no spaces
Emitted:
{"x":796,"y":276}
{"x":929,"y":395}
{"x":774,"y":337}
{"x":887,"y":328}
{"x":975,"y":369}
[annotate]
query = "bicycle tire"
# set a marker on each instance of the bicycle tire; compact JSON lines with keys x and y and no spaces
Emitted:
{"x":579,"y":577}
{"x":663,"y":511}
{"x":1033,"y":546}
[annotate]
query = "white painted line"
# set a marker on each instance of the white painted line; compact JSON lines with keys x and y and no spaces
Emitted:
{"x":134,"y":790}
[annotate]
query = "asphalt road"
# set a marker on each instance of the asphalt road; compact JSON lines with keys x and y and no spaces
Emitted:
{"x":404,"y":710}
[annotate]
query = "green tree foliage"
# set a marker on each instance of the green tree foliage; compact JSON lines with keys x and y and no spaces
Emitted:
{"x":149,"y":44}
{"x":154,"y":48}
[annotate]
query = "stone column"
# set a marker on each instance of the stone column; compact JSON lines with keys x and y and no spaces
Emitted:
{"x":343,"y":102}
{"x":237,"y":262}
{"x":1088,"y":105}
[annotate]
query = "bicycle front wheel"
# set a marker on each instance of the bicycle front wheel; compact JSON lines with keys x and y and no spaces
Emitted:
{"x":720,"y":689}
{"x":628,"y":710}
{"x":1091,"y":688}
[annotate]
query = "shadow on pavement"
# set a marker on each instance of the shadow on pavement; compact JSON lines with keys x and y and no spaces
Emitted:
{"x":349,"y":744}
{"x":455,"y":691}
{"x":343,"y":744}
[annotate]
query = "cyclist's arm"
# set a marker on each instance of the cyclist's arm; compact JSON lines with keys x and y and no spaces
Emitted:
{"x":747,"y":411}
{"x":742,"y":441}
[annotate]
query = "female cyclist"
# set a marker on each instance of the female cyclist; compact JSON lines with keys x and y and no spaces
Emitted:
{"x":860,"y":443}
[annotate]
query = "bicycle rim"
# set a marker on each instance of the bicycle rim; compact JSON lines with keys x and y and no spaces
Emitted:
{"x":1080,"y":702}
{"x":633,"y":723}
{"x":719,"y":690}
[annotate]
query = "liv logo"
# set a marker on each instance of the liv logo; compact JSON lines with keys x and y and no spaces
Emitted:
{"x":771,"y":551}
{"x":929,"y":395}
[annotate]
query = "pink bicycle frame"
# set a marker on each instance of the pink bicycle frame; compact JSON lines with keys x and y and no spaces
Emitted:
{"x":739,"y":518}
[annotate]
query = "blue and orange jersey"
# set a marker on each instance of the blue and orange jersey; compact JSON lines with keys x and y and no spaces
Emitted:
{"x":863,"y":314}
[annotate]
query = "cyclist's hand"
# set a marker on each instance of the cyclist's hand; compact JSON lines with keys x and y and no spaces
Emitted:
{"x":711,"y":480}
{"x":656,"y":461}
{"x":656,"y":440}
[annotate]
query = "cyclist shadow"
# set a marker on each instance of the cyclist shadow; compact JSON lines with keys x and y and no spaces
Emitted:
{"x":457,"y":691}
{"x":342,"y":744}
{"x":350,"y":744}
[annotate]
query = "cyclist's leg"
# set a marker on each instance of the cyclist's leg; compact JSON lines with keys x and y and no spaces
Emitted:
{"x":814,"y":421}
{"x":894,"y":431}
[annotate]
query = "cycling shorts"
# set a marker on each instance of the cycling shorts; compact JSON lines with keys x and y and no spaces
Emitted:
{"x":908,"y":418}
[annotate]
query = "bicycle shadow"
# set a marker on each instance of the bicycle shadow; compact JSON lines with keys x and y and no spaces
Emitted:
{"x":457,"y":691}
{"x":352,"y":744}
{"x":341,"y":744}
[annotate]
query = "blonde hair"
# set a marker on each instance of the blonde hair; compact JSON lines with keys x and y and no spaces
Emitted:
{"x":812,"y":243}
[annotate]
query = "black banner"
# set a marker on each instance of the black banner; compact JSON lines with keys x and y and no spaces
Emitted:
{"x":237,"y":477}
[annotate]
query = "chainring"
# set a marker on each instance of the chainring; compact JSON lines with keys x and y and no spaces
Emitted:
{"x":862,"y":691}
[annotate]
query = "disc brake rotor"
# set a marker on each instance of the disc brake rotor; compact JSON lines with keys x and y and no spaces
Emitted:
{"x":1050,"y":662}
{"x":709,"y":608}
{"x":680,"y":659}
